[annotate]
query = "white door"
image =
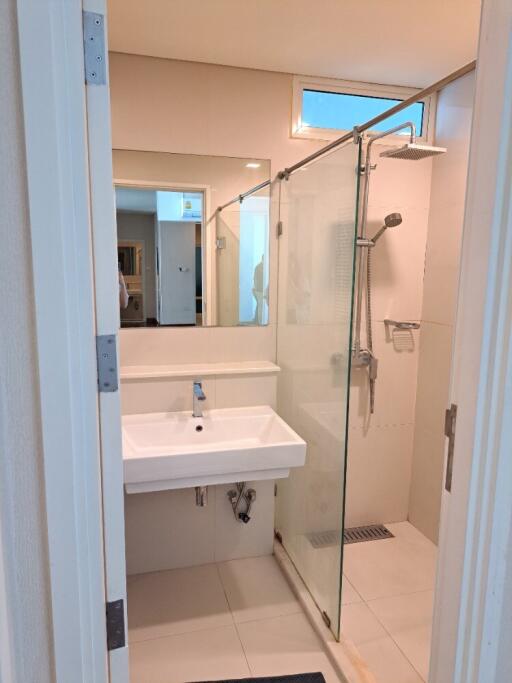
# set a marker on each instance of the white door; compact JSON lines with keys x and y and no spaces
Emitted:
{"x":177,"y":272}
{"x":106,"y":294}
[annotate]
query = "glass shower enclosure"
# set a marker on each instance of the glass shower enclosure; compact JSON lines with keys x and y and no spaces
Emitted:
{"x":317,"y":206}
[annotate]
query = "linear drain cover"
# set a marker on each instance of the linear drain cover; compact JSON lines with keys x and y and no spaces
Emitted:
{"x":373,"y":532}
{"x":326,"y":539}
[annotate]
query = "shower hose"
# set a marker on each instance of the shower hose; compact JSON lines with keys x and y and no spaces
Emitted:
{"x":369,"y":335}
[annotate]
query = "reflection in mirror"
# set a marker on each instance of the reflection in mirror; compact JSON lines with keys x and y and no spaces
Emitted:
{"x":182,"y":261}
{"x":242,"y":261}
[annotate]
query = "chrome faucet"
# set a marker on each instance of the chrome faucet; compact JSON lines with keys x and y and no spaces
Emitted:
{"x":198,"y":396}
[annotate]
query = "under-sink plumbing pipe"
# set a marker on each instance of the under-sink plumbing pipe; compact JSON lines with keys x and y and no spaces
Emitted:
{"x":237,"y":497}
{"x":201,"y":496}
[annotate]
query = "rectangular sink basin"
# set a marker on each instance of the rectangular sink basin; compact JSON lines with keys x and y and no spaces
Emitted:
{"x":175,"y":450}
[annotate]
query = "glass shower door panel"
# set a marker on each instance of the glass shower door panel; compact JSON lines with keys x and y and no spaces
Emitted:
{"x":318,"y":210}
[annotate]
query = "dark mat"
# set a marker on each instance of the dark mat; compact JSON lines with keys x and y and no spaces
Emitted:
{"x":315,"y":677}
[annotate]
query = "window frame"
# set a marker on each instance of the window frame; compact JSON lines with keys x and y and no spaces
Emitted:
{"x":332,"y":85}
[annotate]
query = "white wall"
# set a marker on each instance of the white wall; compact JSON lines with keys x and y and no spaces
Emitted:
{"x":192,"y":108}
{"x":24,"y":597}
{"x":380,"y":447}
{"x":453,"y":130}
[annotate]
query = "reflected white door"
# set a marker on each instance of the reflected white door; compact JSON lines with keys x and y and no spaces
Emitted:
{"x":177,"y":272}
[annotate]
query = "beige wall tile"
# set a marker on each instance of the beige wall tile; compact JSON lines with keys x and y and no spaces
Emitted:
{"x":163,"y":395}
{"x":166,"y":529}
{"x":453,"y":128}
{"x":378,"y":474}
{"x":250,"y":390}
{"x":234,"y":539}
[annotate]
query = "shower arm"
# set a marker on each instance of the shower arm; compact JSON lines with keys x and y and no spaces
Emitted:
{"x":363,"y":225}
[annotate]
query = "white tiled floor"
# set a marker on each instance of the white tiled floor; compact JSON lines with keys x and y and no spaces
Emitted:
{"x":229,"y":620}
{"x":387,"y":602}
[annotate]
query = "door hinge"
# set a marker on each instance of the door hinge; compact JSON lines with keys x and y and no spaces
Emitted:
{"x":450,"y":420}
{"x":220,"y":243}
{"x":116,"y":636}
{"x":94,"y":48}
{"x":279,"y":228}
{"x":106,"y":359}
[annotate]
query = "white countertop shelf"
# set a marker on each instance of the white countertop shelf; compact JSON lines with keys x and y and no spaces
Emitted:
{"x":131,"y":373}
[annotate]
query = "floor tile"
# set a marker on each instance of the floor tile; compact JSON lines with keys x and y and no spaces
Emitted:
{"x":349,"y":594}
{"x":408,"y":619}
{"x":387,"y":663}
{"x":396,"y":566}
{"x":381,"y":654}
{"x":201,"y":656}
{"x":256,"y":589}
{"x":176,"y":601}
{"x":284,"y":645}
{"x":360,"y":625}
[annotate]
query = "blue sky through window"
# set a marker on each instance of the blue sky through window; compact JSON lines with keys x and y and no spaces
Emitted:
{"x":343,"y":111}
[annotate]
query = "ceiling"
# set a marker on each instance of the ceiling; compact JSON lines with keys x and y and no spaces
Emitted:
{"x":398,"y":42}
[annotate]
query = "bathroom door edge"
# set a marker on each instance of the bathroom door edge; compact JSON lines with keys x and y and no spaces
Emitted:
{"x":106,"y":301}
{"x":59,"y":189}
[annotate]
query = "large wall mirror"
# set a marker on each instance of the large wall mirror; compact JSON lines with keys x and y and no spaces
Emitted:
{"x":181,"y":260}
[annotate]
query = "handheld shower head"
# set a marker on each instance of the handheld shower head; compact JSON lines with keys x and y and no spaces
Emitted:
{"x":391,"y":221}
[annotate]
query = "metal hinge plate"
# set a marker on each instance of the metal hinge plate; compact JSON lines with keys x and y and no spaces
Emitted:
{"x":94,"y":48}
{"x":279,"y":228}
{"x":220,"y":243}
{"x":116,"y":636}
{"x":106,"y":358}
{"x":450,"y":420}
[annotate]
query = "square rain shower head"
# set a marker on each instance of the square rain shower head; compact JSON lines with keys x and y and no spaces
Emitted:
{"x":413,"y":151}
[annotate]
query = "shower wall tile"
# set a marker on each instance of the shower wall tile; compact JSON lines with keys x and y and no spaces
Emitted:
{"x":398,"y":262}
{"x":380,"y":446}
{"x":397,"y":352}
{"x":378,"y":474}
{"x":433,"y":375}
{"x":453,"y":128}
{"x":404,"y":184}
{"x":427,"y":480}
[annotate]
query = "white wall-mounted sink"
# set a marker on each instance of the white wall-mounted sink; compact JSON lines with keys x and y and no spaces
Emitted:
{"x":175,"y":450}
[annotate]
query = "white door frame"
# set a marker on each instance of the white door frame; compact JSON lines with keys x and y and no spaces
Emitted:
{"x":476,"y":516}
{"x":54,"y":114}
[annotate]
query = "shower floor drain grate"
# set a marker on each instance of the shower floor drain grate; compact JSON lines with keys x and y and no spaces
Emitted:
{"x":358,"y":534}
{"x":373,"y":532}
{"x":324,"y":539}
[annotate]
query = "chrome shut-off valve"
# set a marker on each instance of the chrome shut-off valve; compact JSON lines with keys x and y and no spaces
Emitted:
{"x":240,"y":497}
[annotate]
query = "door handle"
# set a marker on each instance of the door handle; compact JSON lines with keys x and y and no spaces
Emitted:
{"x":183,"y":269}
{"x":450,"y":420}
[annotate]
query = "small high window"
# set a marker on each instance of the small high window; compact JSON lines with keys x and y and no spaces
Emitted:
{"x":324,"y":109}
